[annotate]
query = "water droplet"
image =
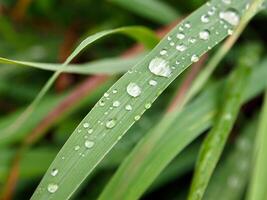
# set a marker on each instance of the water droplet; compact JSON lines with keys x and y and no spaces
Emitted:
{"x":230,"y":16}
{"x":187,"y":25}
{"x":52,"y":187}
{"x":106,"y":95}
{"x":160,"y":67}
{"x":54,"y":172}
{"x":128,"y":107}
{"x":110,"y":123}
{"x":101,"y":103}
{"x":133,"y":90}
{"x":116,"y":104}
{"x":90,"y":130}
{"x":86,"y":125}
{"x":76,"y":148}
{"x":181,"y":47}
{"x":204,"y":35}
{"x":89,"y":144}
{"x":194,"y":58}
{"x":163,"y":52}
{"x":147,"y":105}
{"x":114,"y":91}
{"x":205,"y":18}
{"x":180,"y":36}
{"x":153,"y":82}
{"x":226,"y":1}
{"x":169,"y":38}
{"x":172,"y":43}
{"x":137,"y":117}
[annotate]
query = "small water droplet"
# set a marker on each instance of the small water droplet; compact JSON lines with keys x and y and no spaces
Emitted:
{"x":194,"y":58}
{"x":106,"y":95}
{"x":116,"y":104}
{"x":101,"y":103}
{"x":133,"y":90}
{"x":90,"y":130}
{"x":54,"y":172}
{"x":181,"y":47}
{"x":153,"y":82}
{"x":180,"y":36}
{"x":52,"y":187}
{"x":89,"y":144}
{"x":137,"y":117}
{"x":205,"y":18}
{"x":128,"y":107}
{"x":163,"y":52}
{"x":110,"y":123}
{"x":114,"y":91}
{"x":147,"y":105}
{"x":77,"y":147}
{"x":226,"y":1}
{"x":86,"y":125}
{"x":230,"y":16}
{"x":160,"y":67}
{"x":187,"y":25}
{"x":204,"y":35}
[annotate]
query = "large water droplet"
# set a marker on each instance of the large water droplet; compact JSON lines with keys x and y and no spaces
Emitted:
{"x":133,"y":90}
{"x":89,"y":144}
{"x":230,"y":16}
{"x":160,"y":67}
{"x":110,"y":123}
{"x":52,"y":187}
{"x":54,"y":172}
{"x":204,"y":35}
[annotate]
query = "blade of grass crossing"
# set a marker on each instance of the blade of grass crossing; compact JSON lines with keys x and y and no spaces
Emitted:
{"x":214,"y":143}
{"x":230,"y":179}
{"x":257,"y":189}
{"x":132,"y":95}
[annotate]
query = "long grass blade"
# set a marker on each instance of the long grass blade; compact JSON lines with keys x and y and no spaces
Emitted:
{"x":133,"y":94}
{"x":257,"y":189}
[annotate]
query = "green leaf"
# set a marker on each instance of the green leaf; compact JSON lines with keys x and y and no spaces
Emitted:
{"x":257,"y":189}
{"x":104,"y":66}
{"x":214,"y":143}
{"x":230,"y":179}
{"x":150,"y":9}
{"x":109,"y":119}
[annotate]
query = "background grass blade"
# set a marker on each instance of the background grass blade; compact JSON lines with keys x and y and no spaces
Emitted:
{"x":257,"y":189}
{"x":150,"y":9}
{"x":132,"y":177}
{"x":104,"y":66}
{"x":231,"y":177}
{"x":108,"y":128}
{"x":214,"y":143}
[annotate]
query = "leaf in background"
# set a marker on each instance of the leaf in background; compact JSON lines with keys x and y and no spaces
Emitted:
{"x":230,"y":179}
{"x":215,"y":141}
{"x":257,"y":189}
{"x":103,"y":66}
{"x":133,"y":94}
{"x":150,"y":9}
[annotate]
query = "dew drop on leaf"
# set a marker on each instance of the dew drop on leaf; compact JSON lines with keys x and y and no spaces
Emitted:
{"x":204,"y":35}
{"x":230,"y":16}
{"x":54,"y":172}
{"x":153,"y":82}
{"x":110,"y":123}
{"x":77,"y":147}
{"x":52,"y":187}
{"x":180,"y":36}
{"x":181,"y":47}
{"x":128,"y":107}
{"x":89,"y":144}
{"x":194,"y":58}
{"x":133,"y":90}
{"x":116,"y":104}
{"x":86,"y":125}
{"x":160,"y":67}
{"x":205,"y":18}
